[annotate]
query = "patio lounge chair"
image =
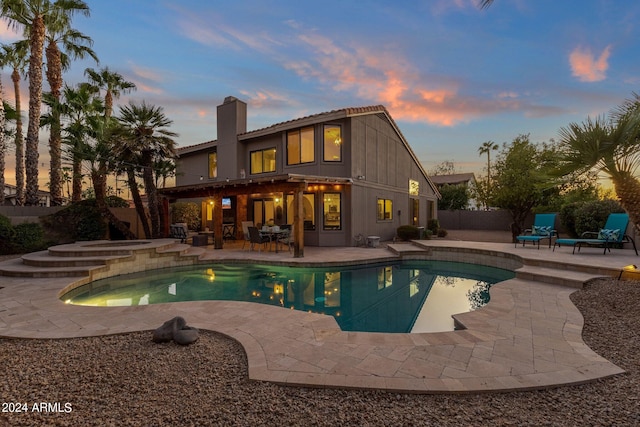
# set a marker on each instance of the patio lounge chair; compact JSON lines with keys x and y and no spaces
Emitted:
{"x":543,"y":228}
{"x":612,"y":233}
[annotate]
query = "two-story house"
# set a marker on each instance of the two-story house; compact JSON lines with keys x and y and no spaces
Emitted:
{"x":334,"y":176}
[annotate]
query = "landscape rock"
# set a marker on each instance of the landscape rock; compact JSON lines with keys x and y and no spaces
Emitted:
{"x":177,"y":330}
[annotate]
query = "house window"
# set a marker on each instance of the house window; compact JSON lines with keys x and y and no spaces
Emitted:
{"x":263,"y":161}
{"x":300,"y":147}
{"x":385,"y":277}
{"x":213,"y":165}
{"x":385,"y":209}
{"x":331,"y":209}
{"x":332,"y":143}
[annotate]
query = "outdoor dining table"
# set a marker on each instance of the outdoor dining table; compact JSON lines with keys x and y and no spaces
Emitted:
{"x":273,"y":233}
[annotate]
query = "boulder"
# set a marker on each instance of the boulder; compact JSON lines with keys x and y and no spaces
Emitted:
{"x":177,"y":330}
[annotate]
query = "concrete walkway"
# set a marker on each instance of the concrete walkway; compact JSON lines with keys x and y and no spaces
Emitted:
{"x":528,"y":336}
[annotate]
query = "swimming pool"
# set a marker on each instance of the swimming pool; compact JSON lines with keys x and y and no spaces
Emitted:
{"x":402,"y":296}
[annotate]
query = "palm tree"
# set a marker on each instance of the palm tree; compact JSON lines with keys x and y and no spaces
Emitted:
{"x":75,"y":45}
{"x":610,"y":145}
{"x":486,"y":148}
{"x":2,"y":146}
{"x":15,"y":56}
{"x":151,"y":141}
{"x":112,"y":83}
{"x":32,"y":16}
{"x":485,"y":3}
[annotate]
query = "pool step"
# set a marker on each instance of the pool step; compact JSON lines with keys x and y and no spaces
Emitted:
{"x":555,"y":276}
{"x":70,"y":261}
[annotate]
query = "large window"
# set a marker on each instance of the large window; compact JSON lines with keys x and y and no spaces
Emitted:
{"x":300,"y":147}
{"x":331,"y":209}
{"x":263,"y":161}
{"x":213,"y":165}
{"x":332,"y":143}
{"x":385,"y":209}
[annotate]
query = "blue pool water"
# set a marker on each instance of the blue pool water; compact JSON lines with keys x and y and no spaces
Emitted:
{"x":409,"y":296}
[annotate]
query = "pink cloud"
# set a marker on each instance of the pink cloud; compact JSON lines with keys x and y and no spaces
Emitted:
{"x":384,"y":76}
{"x":8,"y":32}
{"x":586,"y":67}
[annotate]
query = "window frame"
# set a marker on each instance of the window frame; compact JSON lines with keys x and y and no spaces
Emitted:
{"x":300,"y":146}
{"x":326,"y":211}
{"x":262,"y":161}
{"x":384,"y":209}
{"x":325,"y":142}
{"x":209,"y":155}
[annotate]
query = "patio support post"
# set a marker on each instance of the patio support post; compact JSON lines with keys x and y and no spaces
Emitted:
{"x":298,"y":222}
{"x":217,"y":220}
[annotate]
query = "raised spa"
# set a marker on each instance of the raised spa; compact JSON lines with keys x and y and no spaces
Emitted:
{"x":402,"y":296}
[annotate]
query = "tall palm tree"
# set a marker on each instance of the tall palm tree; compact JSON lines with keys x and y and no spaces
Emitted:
{"x":32,"y":16}
{"x":610,"y":145}
{"x":2,"y":145}
{"x":485,"y":3}
{"x":150,"y":138}
{"x":15,"y":56}
{"x":112,"y":83}
{"x":486,"y":148}
{"x":74,"y":45}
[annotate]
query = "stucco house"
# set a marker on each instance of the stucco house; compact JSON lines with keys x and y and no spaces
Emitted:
{"x":334,"y":176}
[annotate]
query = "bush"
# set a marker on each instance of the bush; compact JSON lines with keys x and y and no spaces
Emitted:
{"x":568,"y":217}
{"x":186,"y":212}
{"x":592,"y":216}
{"x":426,"y":234}
{"x":7,"y":234}
{"x":408,"y":232}
{"x":78,"y":221}
{"x":442,"y":232}
{"x":29,"y":237}
{"x":433,"y":225}
{"x":116,"y":202}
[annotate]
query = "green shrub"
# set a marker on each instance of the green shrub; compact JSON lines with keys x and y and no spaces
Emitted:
{"x":442,"y":232}
{"x":592,"y":216}
{"x":433,"y":225}
{"x":408,"y":232}
{"x":29,"y":237}
{"x":78,"y":221}
{"x":186,"y":212}
{"x":426,"y":234}
{"x":116,"y":202}
{"x":568,"y":217}
{"x":7,"y":235}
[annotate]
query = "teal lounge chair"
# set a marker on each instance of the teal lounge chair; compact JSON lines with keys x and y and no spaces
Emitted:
{"x":543,"y":228}
{"x":612,"y":233}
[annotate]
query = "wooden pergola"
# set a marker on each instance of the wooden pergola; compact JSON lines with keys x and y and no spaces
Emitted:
{"x":216,"y":190}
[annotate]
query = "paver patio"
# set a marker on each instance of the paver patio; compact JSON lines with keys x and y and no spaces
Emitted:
{"x":528,"y":336}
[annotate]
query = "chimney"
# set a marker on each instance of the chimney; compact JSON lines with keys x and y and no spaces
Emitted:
{"x":232,"y":121}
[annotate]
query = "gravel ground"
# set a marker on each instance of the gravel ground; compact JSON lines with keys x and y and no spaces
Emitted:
{"x":127,"y":380}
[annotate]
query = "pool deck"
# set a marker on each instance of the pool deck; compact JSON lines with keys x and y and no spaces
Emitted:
{"x":527,"y":337}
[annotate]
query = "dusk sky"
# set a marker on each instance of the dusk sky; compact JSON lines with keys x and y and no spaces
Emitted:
{"x":451,"y":75}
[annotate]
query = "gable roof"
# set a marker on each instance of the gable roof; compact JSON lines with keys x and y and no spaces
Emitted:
{"x":319,"y":118}
{"x":452,"y":179}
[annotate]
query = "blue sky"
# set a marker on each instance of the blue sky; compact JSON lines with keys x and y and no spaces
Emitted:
{"x":450,"y":74}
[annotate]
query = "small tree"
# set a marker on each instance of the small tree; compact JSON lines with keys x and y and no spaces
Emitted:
{"x":522,"y":179}
{"x":454,"y":197}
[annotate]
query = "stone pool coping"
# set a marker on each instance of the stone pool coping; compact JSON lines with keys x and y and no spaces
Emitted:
{"x":527,"y":337}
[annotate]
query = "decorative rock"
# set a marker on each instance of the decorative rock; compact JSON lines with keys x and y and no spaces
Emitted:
{"x":186,"y":335}
{"x":177,"y":330}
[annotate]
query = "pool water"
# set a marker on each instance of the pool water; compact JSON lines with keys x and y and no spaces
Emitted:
{"x":404,"y":296}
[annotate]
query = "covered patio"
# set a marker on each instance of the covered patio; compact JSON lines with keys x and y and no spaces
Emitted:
{"x":287,"y":185}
